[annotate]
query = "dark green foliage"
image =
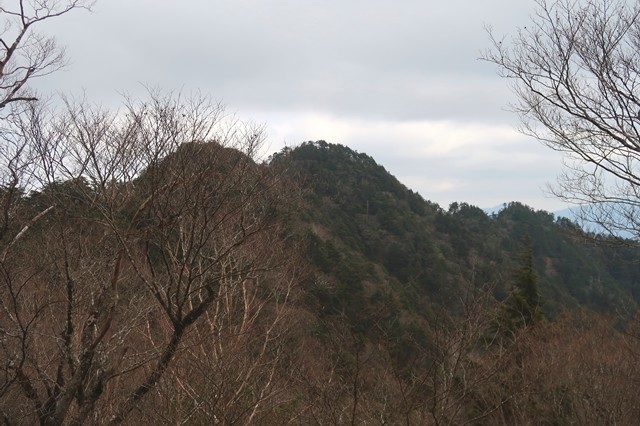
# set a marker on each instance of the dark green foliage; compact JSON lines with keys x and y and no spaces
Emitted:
{"x":522,"y":307}
{"x":360,"y":203}
{"x":369,"y":232}
{"x":526,"y":287}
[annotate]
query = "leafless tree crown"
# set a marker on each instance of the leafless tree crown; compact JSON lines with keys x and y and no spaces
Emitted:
{"x":575,"y":70}
{"x":24,"y":53}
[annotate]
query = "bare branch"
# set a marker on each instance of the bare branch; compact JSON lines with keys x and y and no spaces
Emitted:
{"x":576,"y":74}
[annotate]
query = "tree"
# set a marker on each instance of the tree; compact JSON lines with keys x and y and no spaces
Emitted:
{"x":575,"y":70}
{"x":24,"y":56}
{"x":159,"y":218}
{"x":522,"y":308}
{"x":139,"y":249}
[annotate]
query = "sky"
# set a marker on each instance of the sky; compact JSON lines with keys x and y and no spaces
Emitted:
{"x":399,"y":80}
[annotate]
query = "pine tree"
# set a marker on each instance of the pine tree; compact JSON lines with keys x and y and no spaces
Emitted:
{"x":522,"y":307}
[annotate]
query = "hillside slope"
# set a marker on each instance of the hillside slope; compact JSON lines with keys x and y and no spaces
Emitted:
{"x":366,"y":229}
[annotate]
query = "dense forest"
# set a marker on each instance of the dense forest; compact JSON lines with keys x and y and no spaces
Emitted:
{"x":313,"y":288}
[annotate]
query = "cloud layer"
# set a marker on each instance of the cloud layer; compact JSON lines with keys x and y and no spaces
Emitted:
{"x":400,"y":81}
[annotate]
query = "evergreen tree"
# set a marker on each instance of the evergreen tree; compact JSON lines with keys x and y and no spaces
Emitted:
{"x":523,"y":305}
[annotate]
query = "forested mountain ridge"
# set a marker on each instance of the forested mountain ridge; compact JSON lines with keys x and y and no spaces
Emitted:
{"x":378,"y":226}
{"x":437,"y":316}
{"x":310,"y":289}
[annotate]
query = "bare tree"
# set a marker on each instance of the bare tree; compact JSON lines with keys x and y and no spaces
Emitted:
{"x":119,"y":232}
{"x":25,"y":55}
{"x":160,"y":217}
{"x":575,"y":70}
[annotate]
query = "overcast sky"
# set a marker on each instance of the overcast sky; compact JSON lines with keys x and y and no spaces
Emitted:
{"x":399,"y":80}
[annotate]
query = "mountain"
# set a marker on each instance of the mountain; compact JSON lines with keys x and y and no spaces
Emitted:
{"x":569,"y":212}
{"x":455,"y":316}
{"x":367,"y":231}
{"x":574,"y":214}
{"x":313,"y":289}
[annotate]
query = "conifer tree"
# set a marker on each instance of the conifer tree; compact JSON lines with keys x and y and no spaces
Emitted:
{"x":523,"y":305}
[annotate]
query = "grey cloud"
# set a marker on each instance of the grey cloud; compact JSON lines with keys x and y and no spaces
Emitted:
{"x":397,"y":60}
{"x":409,"y":60}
